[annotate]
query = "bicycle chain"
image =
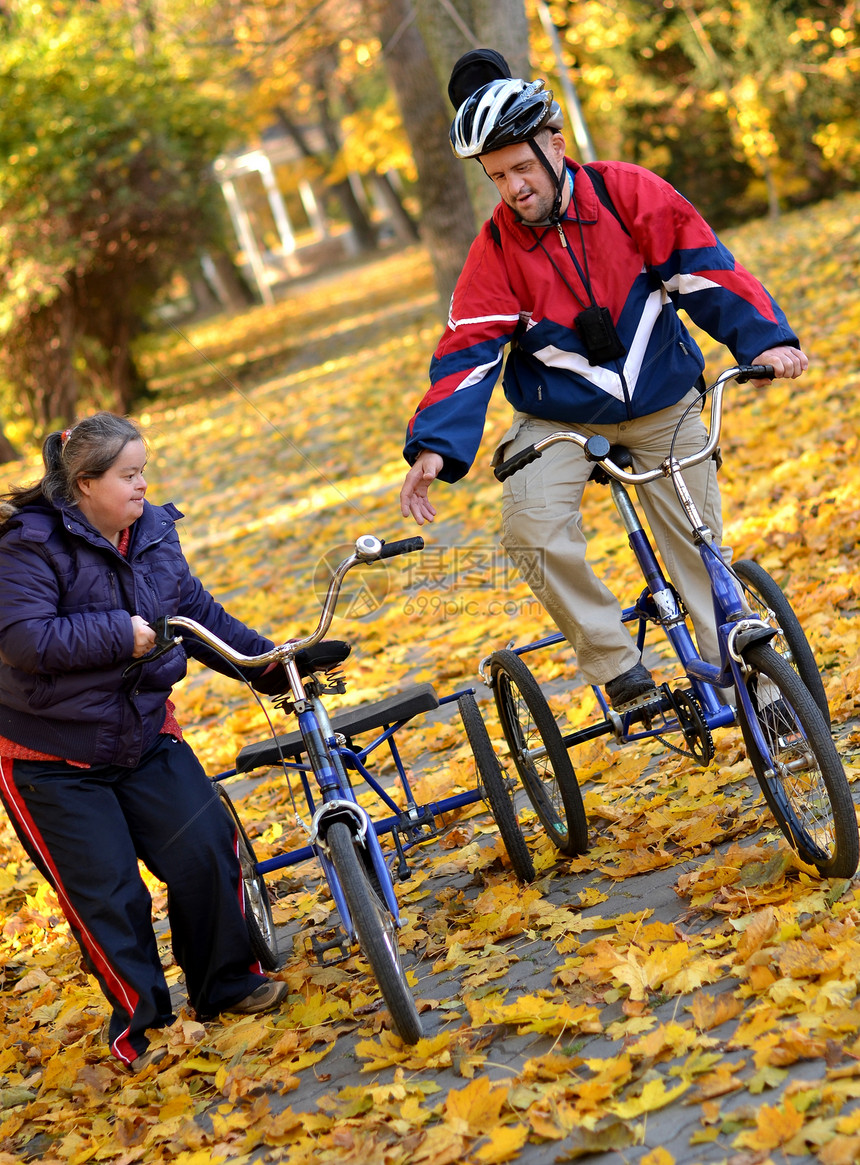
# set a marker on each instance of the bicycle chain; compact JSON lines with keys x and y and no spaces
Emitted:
{"x":703,"y":732}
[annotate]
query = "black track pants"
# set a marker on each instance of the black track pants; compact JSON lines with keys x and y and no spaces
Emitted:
{"x":85,"y":830}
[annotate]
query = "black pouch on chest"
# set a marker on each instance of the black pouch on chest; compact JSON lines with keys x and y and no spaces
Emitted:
{"x":598,"y":335}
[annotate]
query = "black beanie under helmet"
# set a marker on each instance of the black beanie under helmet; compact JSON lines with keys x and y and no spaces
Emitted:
{"x":475,"y":68}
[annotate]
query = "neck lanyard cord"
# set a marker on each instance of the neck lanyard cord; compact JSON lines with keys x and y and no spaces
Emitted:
{"x":583,"y":275}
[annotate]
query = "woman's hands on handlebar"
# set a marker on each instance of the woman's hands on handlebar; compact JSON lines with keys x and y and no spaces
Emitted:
{"x":144,"y":636}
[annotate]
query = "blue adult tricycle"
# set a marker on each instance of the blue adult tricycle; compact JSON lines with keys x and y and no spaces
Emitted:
{"x":341,"y":834}
{"x":766,"y":663}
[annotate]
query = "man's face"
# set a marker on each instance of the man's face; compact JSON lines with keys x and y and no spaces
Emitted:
{"x":521,"y":178}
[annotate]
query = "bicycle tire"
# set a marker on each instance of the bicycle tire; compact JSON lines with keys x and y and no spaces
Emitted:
{"x":811,"y":801}
{"x":258,"y":908}
{"x":376,"y":931}
{"x":493,"y":783}
{"x":792,"y":644}
{"x":549,"y":781}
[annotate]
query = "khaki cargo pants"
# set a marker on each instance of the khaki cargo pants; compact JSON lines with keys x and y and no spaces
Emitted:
{"x":542,"y":531}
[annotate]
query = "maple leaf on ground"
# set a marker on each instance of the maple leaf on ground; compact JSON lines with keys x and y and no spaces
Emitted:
{"x":504,"y":1144}
{"x":476,"y":1108}
{"x":775,"y":1126}
{"x":710,"y":1011}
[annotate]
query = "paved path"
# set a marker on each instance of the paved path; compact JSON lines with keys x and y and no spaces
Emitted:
{"x":530,"y":961}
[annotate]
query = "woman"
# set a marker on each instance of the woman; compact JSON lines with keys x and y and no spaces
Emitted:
{"x":94,"y":773}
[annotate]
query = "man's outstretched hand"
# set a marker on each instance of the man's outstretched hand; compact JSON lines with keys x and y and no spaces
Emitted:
{"x":414,"y":497}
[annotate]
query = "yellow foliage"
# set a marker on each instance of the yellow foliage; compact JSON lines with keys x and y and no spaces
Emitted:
{"x":754,"y":967}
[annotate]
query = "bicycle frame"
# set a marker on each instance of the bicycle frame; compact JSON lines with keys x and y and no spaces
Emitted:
{"x":338,"y":801}
{"x":731,"y":619}
{"x":329,"y":757}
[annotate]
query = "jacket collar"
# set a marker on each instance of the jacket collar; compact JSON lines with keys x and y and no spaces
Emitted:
{"x":150,"y":527}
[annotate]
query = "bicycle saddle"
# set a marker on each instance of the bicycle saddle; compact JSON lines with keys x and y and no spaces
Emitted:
{"x":322,"y":656}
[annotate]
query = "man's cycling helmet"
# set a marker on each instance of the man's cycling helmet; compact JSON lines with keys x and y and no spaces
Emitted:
{"x":503,"y":113}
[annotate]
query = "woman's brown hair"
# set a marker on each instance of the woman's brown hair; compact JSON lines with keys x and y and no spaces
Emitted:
{"x":88,"y":449}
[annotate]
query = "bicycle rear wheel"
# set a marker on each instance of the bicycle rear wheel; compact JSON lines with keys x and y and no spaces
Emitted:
{"x":376,"y":930}
{"x":801,"y":774}
{"x":258,"y":908}
{"x":538,"y":752}
{"x":766,"y":598}
{"x":495,"y":785}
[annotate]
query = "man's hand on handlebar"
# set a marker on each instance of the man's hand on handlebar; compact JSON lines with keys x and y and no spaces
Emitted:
{"x":787,"y":363}
{"x":414,"y":497}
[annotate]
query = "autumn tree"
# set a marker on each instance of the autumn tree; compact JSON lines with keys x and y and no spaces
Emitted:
{"x":287,"y":67}
{"x":454,"y":27}
{"x":746,"y":105}
{"x":447,"y":223}
{"x":105,"y":148}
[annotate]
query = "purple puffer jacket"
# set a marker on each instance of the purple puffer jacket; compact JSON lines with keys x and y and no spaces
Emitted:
{"x":66,"y":596}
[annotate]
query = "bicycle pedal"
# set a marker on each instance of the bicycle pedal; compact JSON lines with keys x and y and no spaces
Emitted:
{"x":650,"y":699}
{"x":321,"y":948}
{"x":420,"y":820}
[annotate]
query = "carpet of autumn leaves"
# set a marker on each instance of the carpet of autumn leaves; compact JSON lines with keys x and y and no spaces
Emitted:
{"x":278,"y":432}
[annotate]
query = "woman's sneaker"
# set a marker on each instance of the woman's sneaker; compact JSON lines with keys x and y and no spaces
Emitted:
{"x":146,"y":1060}
{"x":266,"y":997}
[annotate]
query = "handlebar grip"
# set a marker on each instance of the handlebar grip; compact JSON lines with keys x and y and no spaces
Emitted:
{"x":755,"y":372}
{"x":402,"y":546}
{"x":516,"y":463}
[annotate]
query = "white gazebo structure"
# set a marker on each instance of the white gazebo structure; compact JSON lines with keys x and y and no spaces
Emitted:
{"x":230,"y":170}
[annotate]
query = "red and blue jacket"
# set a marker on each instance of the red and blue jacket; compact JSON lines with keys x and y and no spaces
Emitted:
{"x":523,"y":286}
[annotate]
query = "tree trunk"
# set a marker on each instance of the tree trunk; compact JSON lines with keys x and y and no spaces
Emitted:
{"x":206,"y":302}
{"x":452,"y":27}
{"x":447,"y":223}
{"x":124,"y":378}
{"x":404,"y":227}
{"x":8,"y":452}
{"x":226,"y":281}
{"x":39,"y":361}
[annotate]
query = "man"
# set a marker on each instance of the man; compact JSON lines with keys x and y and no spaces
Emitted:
{"x":581,"y":271}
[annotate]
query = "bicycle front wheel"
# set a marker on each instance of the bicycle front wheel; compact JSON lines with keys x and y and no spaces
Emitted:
{"x":538,"y":752}
{"x":764,"y":595}
{"x":258,"y":908}
{"x":376,"y":931}
{"x":495,"y":786}
{"x":800,"y":772}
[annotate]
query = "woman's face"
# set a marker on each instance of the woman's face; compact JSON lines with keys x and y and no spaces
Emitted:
{"x":115,"y":500}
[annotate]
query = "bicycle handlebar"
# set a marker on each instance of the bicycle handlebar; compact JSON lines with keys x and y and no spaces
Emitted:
{"x":368,"y":548}
{"x":403,"y":546}
{"x":741,"y":373}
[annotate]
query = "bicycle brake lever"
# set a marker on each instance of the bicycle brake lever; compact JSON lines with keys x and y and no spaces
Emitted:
{"x":755,"y":372}
{"x":164,"y":642}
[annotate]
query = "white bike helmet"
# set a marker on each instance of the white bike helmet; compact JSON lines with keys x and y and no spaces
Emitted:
{"x":503,"y":113}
